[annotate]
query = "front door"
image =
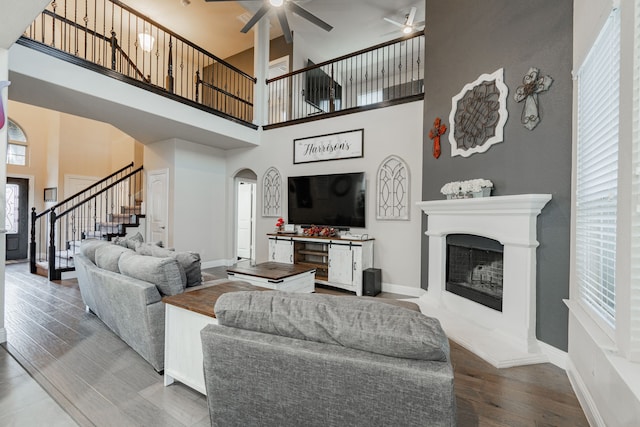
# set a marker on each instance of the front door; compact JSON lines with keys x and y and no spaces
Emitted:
{"x":17,"y":217}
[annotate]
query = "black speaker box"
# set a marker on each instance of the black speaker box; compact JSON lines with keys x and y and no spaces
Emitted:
{"x":371,"y":282}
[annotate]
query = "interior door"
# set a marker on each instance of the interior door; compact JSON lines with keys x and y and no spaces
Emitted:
{"x":157,"y":212}
{"x":245,"y":191}
{"x":17,"y":217}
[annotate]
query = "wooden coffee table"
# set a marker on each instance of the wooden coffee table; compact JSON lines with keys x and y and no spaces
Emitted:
{"x":186,"y":315}
{"x":276,"y":275}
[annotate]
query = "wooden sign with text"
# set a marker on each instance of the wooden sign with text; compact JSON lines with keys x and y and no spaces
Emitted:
{"x":334,"y":146}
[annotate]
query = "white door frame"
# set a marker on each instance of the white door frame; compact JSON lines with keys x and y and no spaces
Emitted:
{"x":236,"y":186}
{"x":149,"y":204}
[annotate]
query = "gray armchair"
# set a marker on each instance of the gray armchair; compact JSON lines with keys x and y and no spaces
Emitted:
{"x":283,"y":359}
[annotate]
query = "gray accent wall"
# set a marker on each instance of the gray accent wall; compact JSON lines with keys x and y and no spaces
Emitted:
{"x":466,"y":39}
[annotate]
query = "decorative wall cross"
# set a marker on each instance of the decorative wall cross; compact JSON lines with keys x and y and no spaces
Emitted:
{"x":438,"y":130}
{"x":532,"y":85}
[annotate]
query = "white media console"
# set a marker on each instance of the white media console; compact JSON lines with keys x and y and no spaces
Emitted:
{"x":339,"y":262}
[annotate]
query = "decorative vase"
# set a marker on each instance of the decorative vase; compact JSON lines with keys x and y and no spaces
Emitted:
{"x":484,"y":192}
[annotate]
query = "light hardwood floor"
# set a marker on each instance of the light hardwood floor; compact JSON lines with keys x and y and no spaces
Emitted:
{"x":100,"y":381}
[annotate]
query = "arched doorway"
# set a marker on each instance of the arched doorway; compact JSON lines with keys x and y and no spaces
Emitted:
{"x":245,"y":190}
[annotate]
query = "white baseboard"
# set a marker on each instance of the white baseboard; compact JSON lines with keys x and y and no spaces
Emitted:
{"x":402,"y":289}
{"x":557,"y":357}
{"x":584,"y":397}
{"x":3,"y":335}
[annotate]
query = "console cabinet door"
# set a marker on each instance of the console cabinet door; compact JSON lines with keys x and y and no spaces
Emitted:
{"x":341,"y":264}
{"x":356,"y":266}
{"x":281,"y":250}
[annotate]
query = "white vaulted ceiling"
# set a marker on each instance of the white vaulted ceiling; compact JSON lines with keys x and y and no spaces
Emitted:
{"x":216,"y":25}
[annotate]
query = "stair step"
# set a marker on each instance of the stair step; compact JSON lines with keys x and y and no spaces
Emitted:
{"x":123,"y":218}
{"x":130,"y":210}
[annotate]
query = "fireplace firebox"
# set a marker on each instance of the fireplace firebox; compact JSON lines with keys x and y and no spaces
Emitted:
{"x":475,"y":269}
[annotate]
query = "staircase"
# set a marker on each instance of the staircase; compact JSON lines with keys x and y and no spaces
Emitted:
{"x":108,"y":209}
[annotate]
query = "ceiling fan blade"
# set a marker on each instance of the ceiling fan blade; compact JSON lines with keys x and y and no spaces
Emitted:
{"x":412,"y":15}
{"x":308,"y":16}
{"x":255,"y":18}
{"x":282,"y":17}
{"x":391,"y":21}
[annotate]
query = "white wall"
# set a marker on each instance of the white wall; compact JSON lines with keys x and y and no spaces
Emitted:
{"x":197,"y":197}
{"x":200,"y":200}
{"x":393,"y":130}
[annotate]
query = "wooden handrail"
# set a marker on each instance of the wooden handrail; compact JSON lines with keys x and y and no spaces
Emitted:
{"x":343,"y":57}
{"x":93,"y":196}
{"x":130,"y":165}
{"x":182,"y":39}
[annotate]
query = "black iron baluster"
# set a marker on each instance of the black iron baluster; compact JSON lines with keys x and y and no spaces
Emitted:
{"x":169,"y":83}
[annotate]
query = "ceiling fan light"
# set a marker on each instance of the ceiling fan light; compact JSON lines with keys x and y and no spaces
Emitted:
{"x":146,"y":41}
{"x":406,"y":29}
{"x":276,"y":3}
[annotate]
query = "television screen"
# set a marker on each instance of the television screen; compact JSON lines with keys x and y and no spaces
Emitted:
{"x":336,"y":200}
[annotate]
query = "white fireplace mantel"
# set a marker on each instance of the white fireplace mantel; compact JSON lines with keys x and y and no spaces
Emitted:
{"x":505,"y":338}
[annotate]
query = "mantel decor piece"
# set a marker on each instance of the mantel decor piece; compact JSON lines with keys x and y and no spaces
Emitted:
{"x":467,"y":189}
{"x":532,"y":84}
{"x":333,"y":146}
{"x":478,"y":115}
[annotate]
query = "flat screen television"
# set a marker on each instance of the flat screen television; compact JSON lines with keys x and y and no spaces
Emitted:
{"x":336,"y":200}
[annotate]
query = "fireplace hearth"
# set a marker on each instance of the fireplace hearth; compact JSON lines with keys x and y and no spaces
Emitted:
{"x":492,"y":241}
{"x":475,"y":269}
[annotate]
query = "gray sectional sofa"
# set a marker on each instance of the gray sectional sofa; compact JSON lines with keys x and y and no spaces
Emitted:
{"x":280,"y":359}
{"x":124,"y":288}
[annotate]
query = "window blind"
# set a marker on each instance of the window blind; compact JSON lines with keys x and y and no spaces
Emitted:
{"x":597,"y":172}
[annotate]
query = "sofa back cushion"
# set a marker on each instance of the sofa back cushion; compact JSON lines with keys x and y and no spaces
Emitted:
{"x":107,"y":256}
{"x":189,"y":261}
{"x":88,"y":248}
{"x":165,"y":273}
{"x":352,"y":322}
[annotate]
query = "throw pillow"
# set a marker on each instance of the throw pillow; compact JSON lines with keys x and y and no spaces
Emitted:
{"x":107,"y":257}
{"x":148,"y":248}
{"x":88,"y":248}
{"x":340,"y":320}
{"x":165,"y":273}
{"x":190,"y":261}
{"x":129,"y":242}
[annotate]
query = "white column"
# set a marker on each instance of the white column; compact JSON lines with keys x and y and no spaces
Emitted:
{"x":4,"y":75}
{"x":261,"y":71}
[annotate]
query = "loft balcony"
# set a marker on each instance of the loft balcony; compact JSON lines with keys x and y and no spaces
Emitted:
{"x":112,"y":39}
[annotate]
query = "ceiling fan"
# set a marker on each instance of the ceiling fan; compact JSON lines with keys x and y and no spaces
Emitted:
{"x":281,"y":7}
{"x":408,"y":26}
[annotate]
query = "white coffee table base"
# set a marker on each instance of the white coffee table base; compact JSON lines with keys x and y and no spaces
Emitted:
{"x":303,"y":282}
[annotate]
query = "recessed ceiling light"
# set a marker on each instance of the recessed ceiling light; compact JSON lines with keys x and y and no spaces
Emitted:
{"x":276,"y":3}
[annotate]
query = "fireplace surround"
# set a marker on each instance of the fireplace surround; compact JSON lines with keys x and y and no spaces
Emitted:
{"x":503,"y":338}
